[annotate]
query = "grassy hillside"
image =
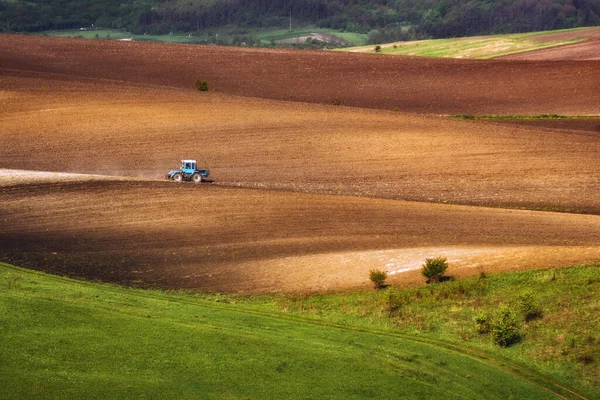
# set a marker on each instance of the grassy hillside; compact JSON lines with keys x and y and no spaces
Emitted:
{"x":225,"y":36}
{"x":562,"y":341}
{"x":68,"y":339}
{"x":480,"y":47}
{"x":273,"y":35}
{"x":116,"y":34}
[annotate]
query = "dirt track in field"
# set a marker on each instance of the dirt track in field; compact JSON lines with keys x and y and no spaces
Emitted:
{"x":322,"y":202}
{"x":423,"y":85}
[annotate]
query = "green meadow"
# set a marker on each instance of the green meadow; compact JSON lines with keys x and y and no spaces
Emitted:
{"x":265,"y":36}
{"x":64,"y":338}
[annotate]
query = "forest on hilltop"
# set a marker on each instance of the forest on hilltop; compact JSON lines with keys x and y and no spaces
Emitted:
{"x":385,"y":20}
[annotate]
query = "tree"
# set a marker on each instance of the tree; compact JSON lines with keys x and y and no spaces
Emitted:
{"x":378,"y":278}
{"x":434,"y":269}
{"x":505,"y":327}
{"x":202,"y":86}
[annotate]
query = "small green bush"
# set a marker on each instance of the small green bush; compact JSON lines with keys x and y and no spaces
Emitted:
{"x":377,"y":48}
{"x":378,"y":278}
{"x":482,"y":323}
{"x":586,"y":358}
{"x":529,"y":306}
{"x":434,"y":269}
{"x":13,"y":280}
{"x":202,"y":86}
{"x":505,"y":328}
{"x":394,"y":301}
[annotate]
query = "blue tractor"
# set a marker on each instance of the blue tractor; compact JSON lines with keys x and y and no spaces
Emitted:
{"x":188,"y":172}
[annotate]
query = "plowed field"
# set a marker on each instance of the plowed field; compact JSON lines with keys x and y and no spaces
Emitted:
{"x":102,"y":128}
{"x":343,"y":174}
{"x":226,"y":239}
{"x":414,"y":84}
{"x":587,"y":50}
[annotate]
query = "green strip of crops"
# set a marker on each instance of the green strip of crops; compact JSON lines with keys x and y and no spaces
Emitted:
{"x":63,"y":338}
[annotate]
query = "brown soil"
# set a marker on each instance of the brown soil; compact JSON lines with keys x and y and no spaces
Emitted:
{"x":416,"y":84}
{"x":216,"y":237}
{"x":177,"y":235}
{"x":591,"y":126}
{"x":587,"y":50}
{"x":586,"y":34}
{"x":98,"y":128}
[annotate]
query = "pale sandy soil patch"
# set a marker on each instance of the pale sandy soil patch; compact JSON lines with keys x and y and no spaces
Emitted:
{"x":322,"y":272}
{"x":9,"y":177}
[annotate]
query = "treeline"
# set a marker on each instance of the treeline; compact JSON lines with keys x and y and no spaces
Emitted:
{"x":386,"y":20}
{"x":43,"y":15}
{"x":460,"y":18}
{"x":455,"y":18}
{"x":186,"y":16}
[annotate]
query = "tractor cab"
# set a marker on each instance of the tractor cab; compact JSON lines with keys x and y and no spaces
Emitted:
{"x":188,"y":166}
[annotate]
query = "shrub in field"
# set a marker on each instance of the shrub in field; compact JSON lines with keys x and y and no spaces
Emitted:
{"x":482,"y":323}
{"x":12,"y":280}
{"x":505,"y":328}
{"x":202,"y":86}
{"x":378,"y":48}
{"x":378,"y":278}
{"x":336,"y":101}
{"x":529,"y":306}
{"x":393,"y":301}
{"x":586,"y":358}
{"x":434,"y":269}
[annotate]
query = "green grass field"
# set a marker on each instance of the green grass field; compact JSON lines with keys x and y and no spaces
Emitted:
{"x":479,"y":47}
{"x":115,"y":34}
{"x":63,"y":338}
{"x":352,"y":37}
{"x":563,"y":343}
{"x":265,"y":36}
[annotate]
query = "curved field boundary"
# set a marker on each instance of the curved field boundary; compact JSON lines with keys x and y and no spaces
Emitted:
{"x":495,"y":361}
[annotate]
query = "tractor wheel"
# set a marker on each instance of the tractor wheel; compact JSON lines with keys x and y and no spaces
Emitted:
{"x":177,"y":177}
{"x":196,"y":178}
